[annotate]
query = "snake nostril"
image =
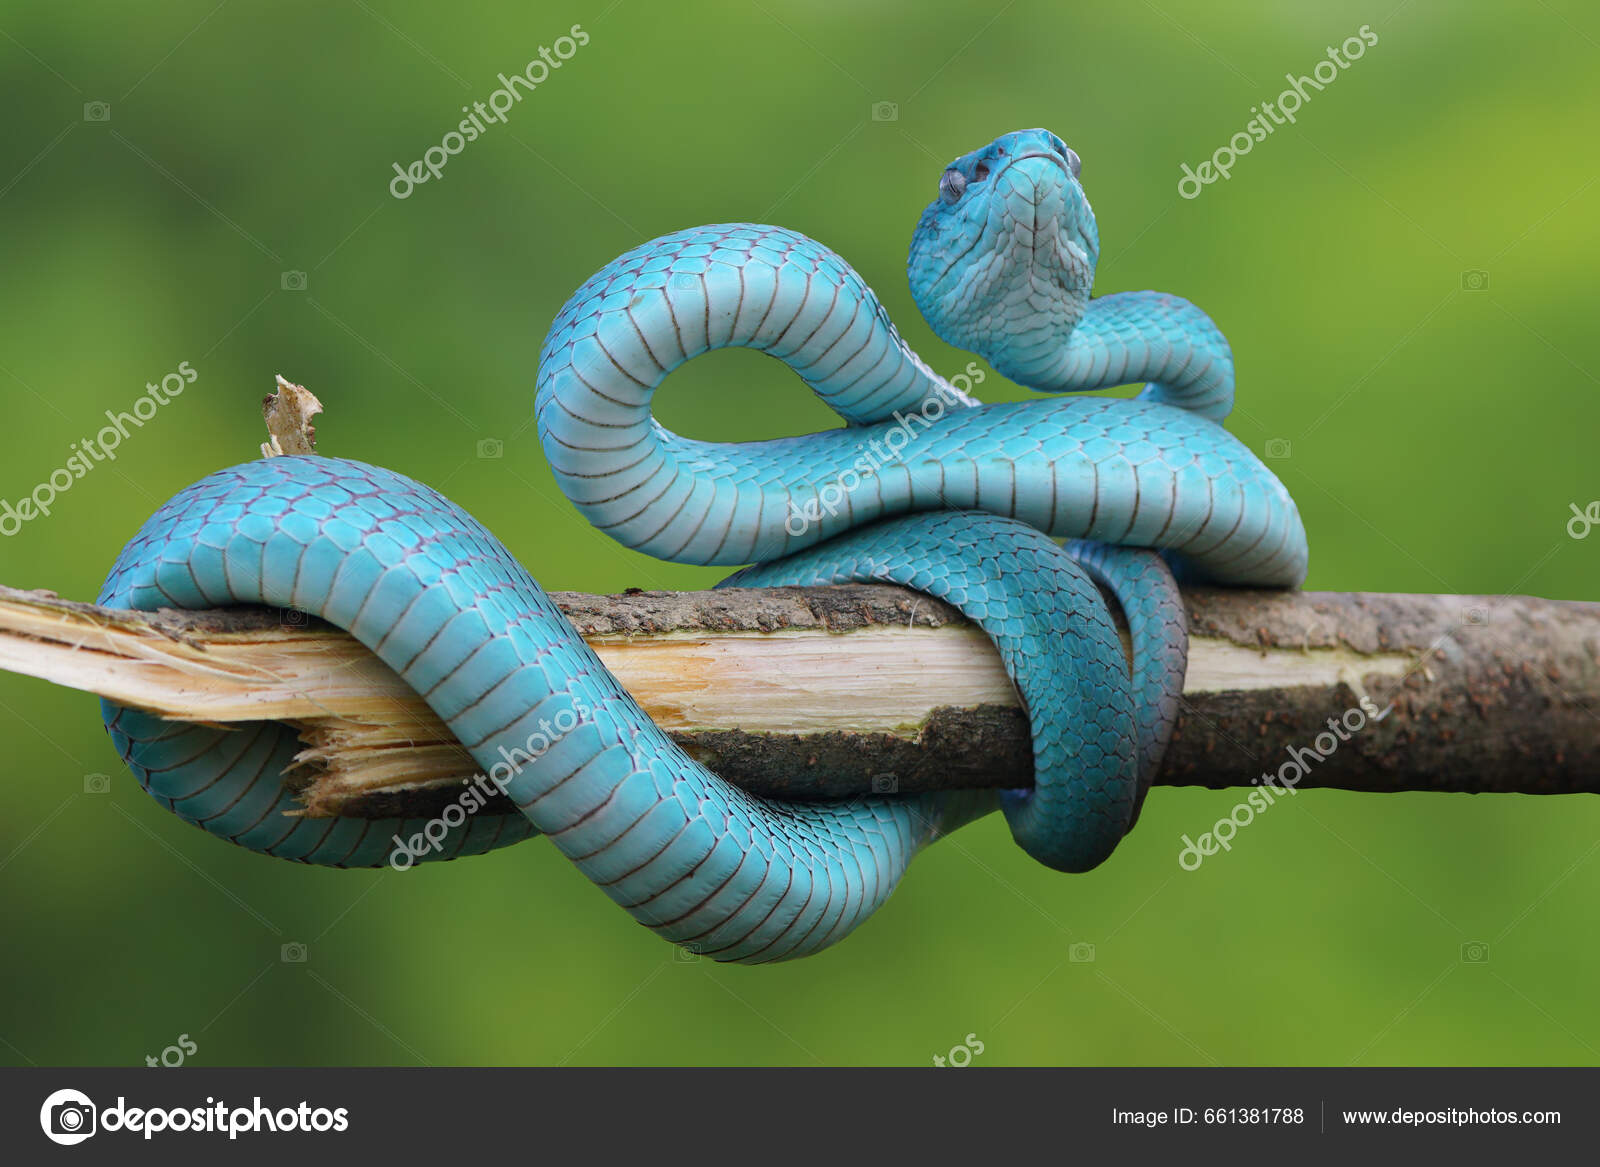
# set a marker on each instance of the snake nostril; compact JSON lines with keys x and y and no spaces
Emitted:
{"x":980,"y":172}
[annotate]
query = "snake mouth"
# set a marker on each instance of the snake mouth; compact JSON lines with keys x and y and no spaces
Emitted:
{"x":1060,"y":162}
{"x":1050,"y":183}
{"x":1021,"y":178}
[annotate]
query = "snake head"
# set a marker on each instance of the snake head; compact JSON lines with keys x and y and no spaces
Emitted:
{"x":1002,"y":261}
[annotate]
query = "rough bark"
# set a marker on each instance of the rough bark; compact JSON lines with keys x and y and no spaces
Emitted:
{"x":833,"y":692}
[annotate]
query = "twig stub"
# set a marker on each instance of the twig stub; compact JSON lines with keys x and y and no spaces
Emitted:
{"x":288,"y":414}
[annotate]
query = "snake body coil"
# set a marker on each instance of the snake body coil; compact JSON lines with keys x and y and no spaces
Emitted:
{"x":924,"y":486}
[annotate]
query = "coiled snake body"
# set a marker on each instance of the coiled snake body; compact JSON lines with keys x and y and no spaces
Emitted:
{"x":924,"y":486}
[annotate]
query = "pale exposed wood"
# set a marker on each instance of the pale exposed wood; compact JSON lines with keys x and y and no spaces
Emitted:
{"x":878,"y":678}
{"x":817,"y":691}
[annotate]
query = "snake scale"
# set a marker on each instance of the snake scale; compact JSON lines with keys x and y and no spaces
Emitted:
{"x":961,"y":500}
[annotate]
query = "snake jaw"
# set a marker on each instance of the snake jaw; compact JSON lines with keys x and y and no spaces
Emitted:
{"x":1005,"y":268}
{"x":1039,"y":207}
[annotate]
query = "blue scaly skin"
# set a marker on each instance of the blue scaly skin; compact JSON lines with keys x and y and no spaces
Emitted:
{"x":1007,"y":275}
{"x":924,"y":486}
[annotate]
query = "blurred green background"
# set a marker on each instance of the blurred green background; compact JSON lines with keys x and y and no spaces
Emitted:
{"x":1438,"y":427}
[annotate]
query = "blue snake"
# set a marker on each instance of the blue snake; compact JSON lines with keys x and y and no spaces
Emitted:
{"x":923,"y":486}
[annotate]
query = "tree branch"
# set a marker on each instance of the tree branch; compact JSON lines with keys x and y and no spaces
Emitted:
{"x":830,"y":692}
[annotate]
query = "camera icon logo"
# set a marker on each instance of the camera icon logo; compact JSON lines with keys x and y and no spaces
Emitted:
{"x":1475,"y":617}
{"x":293,"y":953}
{"x":685,"y":281}
{"x":1277,"y":447}
{"x":491,"y":448}
{"x":293,"y":281}
{"x":97,"y":784}
{"x":96,"y":111}
{"x":885,"y":784}
{"x":293,"y":618}
{"x":1474,"y":952}
{"x":885,"y":111}
{"x":1475,"y":280}
{"x":67,"y":1117}
{"x":1081,"y":954}
{"x":685,"y":954}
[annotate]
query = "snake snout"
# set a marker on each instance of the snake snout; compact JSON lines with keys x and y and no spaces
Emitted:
{"x":1036,"y":220}
{"x":1032,"y":195}
{"x":1008,"y":249}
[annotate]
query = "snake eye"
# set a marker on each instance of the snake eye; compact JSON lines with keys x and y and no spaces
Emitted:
{"x":951,"y":185}
{"x":980,"y":172}
{"x":1070,"y":156}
